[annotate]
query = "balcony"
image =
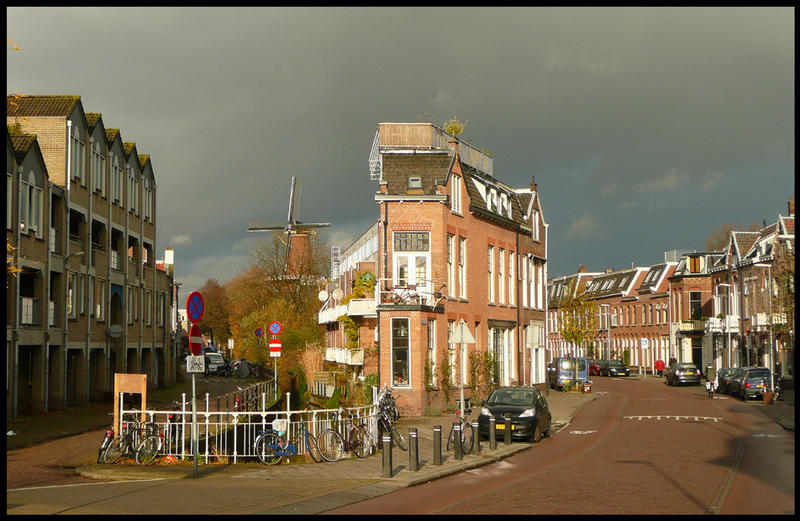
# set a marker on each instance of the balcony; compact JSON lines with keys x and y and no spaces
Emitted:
{"x":726,"y":324}
{"x":412,"y":295}
{"x":692,"y":326}
{"x":357,"y":307}
{"x":29,"y":311}
{"x":761,"y":320}
{"x":343,"y":355}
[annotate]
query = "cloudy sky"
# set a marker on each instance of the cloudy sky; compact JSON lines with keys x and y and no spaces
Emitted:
{"x":644,"y":128}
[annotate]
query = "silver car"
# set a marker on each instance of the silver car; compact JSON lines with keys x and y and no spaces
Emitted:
{"x":678,"y":373}
{"x":214,"y":363}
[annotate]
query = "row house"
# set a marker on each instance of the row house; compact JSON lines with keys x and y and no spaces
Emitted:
{"x":90,"y":301}
{"x":452,"y":243}
{"x":753,"y":298}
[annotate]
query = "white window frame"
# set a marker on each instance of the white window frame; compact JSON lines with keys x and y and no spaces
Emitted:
{"x":501,"y":276}
{"x":411,"y":257}
{"x":72,"y":292}
{"x":490,"y":262}
{"x":455,"y":194}
{"x":451,"y":276}
{"x":524,"y":267}
{"x":116,"y":180}
{"x":98,"y":168}
{"x":78,"y":155}
{"x":462,"y":267}
{"x":82,"y":293}
{"x":100,"y":304}
{"x":512,"y":281}
{"x":535,"y":224}
{"x":432,"y":349}
{"x":451,"y":351}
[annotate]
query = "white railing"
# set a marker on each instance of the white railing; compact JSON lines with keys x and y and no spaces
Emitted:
{"x":225,"y":435}
{"x":357,"y":307}
{"x":428,"y":293}
{"x":344,"y":355}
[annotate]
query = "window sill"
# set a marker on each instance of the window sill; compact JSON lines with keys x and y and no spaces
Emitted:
{"x":459,"y":214}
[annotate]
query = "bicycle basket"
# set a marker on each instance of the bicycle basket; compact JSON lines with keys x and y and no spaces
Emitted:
{"x":281,"y":425}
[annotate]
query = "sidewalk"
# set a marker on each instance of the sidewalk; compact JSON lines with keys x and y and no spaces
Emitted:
{"x":367,"y":472}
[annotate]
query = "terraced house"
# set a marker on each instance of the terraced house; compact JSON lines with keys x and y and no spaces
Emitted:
{"x":90,"y":300}
{"x":451,"y":243}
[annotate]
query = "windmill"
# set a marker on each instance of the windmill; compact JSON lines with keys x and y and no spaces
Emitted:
{"x":297,"y":232}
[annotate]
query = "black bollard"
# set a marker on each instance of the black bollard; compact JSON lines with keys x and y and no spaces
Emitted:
{"x":476,"y":438}
{"x":507,"y":433}
{"x":492,"y":433}
{"x":437,"y":444}
{"x":413,"y":452}
{"x":458,"y":450}
{"x":387,"y":455}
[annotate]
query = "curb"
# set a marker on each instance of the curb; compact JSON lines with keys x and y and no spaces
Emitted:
{"x":485,"y":460}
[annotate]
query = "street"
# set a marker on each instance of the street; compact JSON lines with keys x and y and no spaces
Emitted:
{"x":640,"y":447}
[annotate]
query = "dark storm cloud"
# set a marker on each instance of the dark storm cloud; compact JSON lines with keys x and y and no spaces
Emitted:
{"x":644,"y":127}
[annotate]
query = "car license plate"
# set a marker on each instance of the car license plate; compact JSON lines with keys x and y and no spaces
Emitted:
{"x":502,"y":426}
{"x":761,"y":385}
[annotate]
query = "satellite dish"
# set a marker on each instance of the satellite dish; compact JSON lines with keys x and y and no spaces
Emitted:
{"x":337,"y":294}
{"x":323,"y":296}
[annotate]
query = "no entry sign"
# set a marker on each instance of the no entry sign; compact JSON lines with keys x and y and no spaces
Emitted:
{"x":195,"y":340}
{"x":195,"y":306}
{"x":275,"y":348}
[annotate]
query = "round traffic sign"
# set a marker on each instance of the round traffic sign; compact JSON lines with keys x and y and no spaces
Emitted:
{"x":195,"y":306}
{"x":275,"y":345}
{"x":195,"y":340}
{"x":275,"y":328}
{"x":259,"y":331}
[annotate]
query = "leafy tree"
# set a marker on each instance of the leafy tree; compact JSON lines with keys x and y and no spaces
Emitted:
{"x":719,"y":237}
{"x":215,"y":318}
{"x":578,"y":318}
{"x":454,"y":127}
{"x":783,"y":297}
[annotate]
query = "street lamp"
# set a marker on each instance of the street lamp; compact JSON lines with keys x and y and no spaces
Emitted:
{"x":769,"y":296}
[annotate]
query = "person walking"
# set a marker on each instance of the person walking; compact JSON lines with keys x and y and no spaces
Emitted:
{"x":660,"y":367}
{"x":672,"y":360}
{"x":710,"y":388}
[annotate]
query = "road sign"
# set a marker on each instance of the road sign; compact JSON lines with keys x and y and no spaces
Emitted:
{"x":195,"y":364}
{"x":259,"y":332}
{"x":195,"y":306}
{"x":461,"y":334}
{"x":275,"y":348}
{"x":275,"y":328}
{"x":645,"y":343}
{"x":195,"y":340}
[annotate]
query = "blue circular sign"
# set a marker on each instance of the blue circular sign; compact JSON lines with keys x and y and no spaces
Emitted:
{"x":275,"y":328}
{"x":259,"y":332}
{"x":195,"y":305}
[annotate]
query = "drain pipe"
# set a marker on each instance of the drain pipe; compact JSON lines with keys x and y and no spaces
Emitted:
{"x":520,"y":348}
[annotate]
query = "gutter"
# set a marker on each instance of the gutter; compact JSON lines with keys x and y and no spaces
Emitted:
{"x":65,"y":346}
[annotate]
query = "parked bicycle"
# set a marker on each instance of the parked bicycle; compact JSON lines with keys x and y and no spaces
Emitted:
{"x":101,"y":452}
{"x":142,"y":441}
{"x":386,"y":424}
{"x":333,"y":445}
{"x":467,"y":432}
{"x":271,"y":445}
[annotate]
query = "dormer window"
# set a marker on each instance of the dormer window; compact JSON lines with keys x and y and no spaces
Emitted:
{"x":414,"y":183}
{"x":455,"y":194}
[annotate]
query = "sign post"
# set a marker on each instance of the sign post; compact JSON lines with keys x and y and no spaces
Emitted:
{"x":645,"y":343}
{"x":461,"y":335}
{"x":195,"y":307}
{"x":276,"y":329}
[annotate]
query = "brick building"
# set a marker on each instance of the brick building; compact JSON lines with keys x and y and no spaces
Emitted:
{"x":452,"y":243}
{"x":90,"y":300}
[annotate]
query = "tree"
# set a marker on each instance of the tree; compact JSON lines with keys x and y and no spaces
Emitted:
{"x":454,"y":127}
{"x":577,"y":318}
{"x":783,"y":298}
{"x":719,"y":237}
{"x":215,"y":319}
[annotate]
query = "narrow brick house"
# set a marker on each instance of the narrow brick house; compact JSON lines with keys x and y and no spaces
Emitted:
{"x":91,"y":300}
{"x":453,"y":243}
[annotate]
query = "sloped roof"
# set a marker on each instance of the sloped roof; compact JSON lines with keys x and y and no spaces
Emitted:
{"x":143,"y":159}
{"x":743,"y":241}
{"x":787,"y":225}
{"x":477,"y":201}
{"x":612,"y":283}
{"x":42,"y":106}
{"x":129,"y":148}
{"x":92,"y":119}
{"x":112,"y":134}
{"x":22,"y":144}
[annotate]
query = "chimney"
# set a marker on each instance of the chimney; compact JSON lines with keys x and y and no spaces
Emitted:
{"x":453,"y":144}
{"x":791,"y":206}
{"x":582,"y":268}
{"x":533,"y":184}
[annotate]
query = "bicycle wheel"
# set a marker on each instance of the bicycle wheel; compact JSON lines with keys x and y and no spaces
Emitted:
{"x":467,"y":437}
{"x":331,"y":445}
{"x":148,"y":450}
{"x":450,"y":439}
{"x":398,"y":438}
{"x":115,"y":449}
{"x":360,"y":441}
{"x":265,"y":448}
{"x":312,"y":448}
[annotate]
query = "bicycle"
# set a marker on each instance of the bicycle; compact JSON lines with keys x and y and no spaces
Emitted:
{"x":333,"y":445}
{"x":467,"y":433}
{"x":385,"y":424}
{"x":131,"y":441}
{"x":271,"y":446}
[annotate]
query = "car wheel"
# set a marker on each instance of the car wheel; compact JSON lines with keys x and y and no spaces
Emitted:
{"x":537,"y":434}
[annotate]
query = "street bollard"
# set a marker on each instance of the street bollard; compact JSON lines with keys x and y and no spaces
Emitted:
{"x":476,"y":439}
{"x":413,"y":452}
{"x":507,"y":433}
{"x":437,"y":444}
{"x":492,"y":433}
{"x":458,"y":450}
{"x":387,"y":455}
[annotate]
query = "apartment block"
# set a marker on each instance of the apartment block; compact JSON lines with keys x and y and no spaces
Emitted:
{"x":90,"y":300}
{"x":451,"y":243}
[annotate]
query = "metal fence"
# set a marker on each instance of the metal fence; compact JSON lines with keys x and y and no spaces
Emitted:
{"x":226,"y":434}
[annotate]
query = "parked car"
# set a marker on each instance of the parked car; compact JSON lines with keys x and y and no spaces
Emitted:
{"x":614,"y":368}
{"x":214,"y":363}
{"x":723,"y":379}
{"x":594,"y":367}
{"x":750,"y":382}
{"x":526,"y":407}
{"x":562,"y":370}
{"x":682,"y":373}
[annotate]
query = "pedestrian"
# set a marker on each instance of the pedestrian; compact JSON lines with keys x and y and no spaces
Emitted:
{"x":660,"y":367}
{"x":672,"y":361}
{"x":710,"y":388}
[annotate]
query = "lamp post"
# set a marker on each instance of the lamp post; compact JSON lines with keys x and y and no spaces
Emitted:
{"x":769,"y":296}
{"x":66,"y":318}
